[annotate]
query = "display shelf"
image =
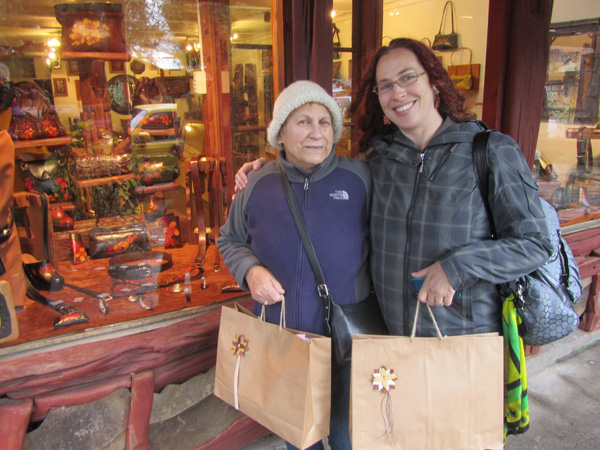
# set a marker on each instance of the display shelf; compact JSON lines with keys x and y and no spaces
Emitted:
{"x":50,"y":142}
{"x":96,"y":55}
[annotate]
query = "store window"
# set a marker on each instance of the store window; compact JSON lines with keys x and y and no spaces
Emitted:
{"x":566,"y":162}
{"x":132,"y":117}
{"x":342,"y":67}
{"x":252,"y":80}
{"x":421,"y":20}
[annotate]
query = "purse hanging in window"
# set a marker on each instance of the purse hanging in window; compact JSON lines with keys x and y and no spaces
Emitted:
{"x":446,"y":41}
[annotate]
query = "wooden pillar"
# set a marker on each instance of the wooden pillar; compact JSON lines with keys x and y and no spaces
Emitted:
{"x":142,"y":397}
{"x":215,"y":24}
{"x":14,"y":417}
{"x":367,"y":31}
{"x":277,"y":31}
{"x":518,"y":48}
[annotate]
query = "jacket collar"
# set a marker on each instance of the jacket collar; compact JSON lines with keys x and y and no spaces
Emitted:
{"x":298,"y":175}
{"x":449,"y":133}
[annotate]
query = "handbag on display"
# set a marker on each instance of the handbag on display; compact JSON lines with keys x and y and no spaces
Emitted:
{"x":462,"y":75}
{"x":46,"y":172}
{"x":446,"y":41}
{"x":155,"y":168}
{"x":108,"y":242}
{"x":278,"y":377}
{"x":427,"y":392}
{"x":544,"y":298}
{"x":33,"y":117}
{"x":344,"y":321}
{"x":150,"y":90}
{"x":85,"y":166}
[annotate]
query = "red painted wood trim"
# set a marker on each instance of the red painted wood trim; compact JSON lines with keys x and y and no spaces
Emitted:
{"x":77,"y":396}
{"x":14,"y":419}
{"x":591,"y":317}
{"x":142,"y":396}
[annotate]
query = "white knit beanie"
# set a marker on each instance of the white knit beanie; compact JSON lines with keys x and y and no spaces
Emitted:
{"x":296,"y":95}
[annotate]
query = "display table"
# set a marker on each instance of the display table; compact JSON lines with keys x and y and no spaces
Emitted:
{"x":115,"y":366}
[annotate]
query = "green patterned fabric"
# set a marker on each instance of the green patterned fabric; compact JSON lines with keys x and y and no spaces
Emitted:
{"x":516,"y":406}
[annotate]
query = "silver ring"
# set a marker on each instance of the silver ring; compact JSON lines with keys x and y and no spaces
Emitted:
{"x":439,"y":304}
{"x":266,"y":303}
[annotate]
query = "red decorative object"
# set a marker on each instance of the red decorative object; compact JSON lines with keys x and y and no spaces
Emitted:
{"x":79,"y":252}
{"x":172,"y":231}
{"x":91,"y":27}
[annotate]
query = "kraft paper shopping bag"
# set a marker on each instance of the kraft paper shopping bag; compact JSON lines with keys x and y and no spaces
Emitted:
{"x":427,"y":393}
{"x":279,"y":377}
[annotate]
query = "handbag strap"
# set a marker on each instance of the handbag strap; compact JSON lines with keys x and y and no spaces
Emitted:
{"x":480,"y":163}
{"x":444,"y":16}
{"x":306,"y":241}
{"x":470,"y":56}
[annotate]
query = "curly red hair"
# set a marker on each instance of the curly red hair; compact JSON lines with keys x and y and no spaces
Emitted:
{"x":451,"y":102}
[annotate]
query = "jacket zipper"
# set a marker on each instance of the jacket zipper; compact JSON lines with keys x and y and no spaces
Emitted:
{"x":297,"y":311}
{"x":407,"y":292}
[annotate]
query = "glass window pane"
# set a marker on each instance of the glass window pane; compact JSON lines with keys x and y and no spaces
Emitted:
{"x":566,"y":164}
{"x":342,"y":67}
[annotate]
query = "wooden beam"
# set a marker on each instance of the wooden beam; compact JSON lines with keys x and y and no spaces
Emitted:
{"x":277,"y":29}
{"x":367,"y":31}
{"x":516,"y":65}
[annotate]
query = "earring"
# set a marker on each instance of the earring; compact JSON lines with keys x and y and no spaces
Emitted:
{"x":437,"y":100}
{"x":386,"y":120}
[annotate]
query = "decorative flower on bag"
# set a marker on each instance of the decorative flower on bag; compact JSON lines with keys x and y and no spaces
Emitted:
{"x":121,"y":247}
{"x":240,"y":345}
{"x":239,"y":349}
{"x":29,"y":184}
{"x":50,"y":128}
{"x":158,"y":121}
{"x":171,"y":232}
{"x":150,"y":171}
{"x":88,"y":32}
{"x":25,"y":130}
{"x":384,"y":379}
{"x":79,"y":255}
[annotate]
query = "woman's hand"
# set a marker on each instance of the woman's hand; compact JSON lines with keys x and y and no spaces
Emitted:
{"x":264,"y":287}
{"x":241,"y":179}
{"x":436,"y":289}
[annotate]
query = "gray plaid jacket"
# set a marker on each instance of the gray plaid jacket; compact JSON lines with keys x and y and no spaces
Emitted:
{"x":427,"y":208}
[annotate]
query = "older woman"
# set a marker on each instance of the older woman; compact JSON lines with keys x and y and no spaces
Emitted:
{"x":260,"y":243}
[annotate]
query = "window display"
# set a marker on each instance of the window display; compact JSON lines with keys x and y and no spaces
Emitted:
{"x":121,"y":151}
{"x":565,"y":165}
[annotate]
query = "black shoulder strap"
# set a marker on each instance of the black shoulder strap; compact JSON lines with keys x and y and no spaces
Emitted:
{"x":306,"y":241}
{"x":480,"y":164}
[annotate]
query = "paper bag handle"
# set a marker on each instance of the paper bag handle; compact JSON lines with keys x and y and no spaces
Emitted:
{"x":414,"y":328}
{"x":263,"y":313}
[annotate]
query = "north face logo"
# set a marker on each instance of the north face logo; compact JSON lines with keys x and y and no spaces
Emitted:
{"x":339,"y":195}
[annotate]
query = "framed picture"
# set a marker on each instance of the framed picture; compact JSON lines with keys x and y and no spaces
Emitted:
{"x":60,"y":87}
{"x":117,"y":66}
{"x":72,"y":67}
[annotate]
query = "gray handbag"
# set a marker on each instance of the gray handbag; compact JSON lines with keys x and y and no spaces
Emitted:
{"x":544,"y":298}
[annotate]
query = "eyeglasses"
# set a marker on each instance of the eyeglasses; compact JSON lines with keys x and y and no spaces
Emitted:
{"x":404,"y":80}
